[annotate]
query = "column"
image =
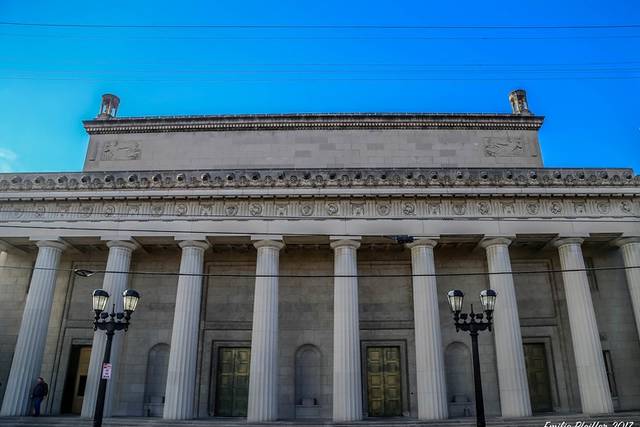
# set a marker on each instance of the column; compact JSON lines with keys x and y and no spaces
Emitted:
{"x":512,"y":372}
{"x":32,"y":337}
{"x":119,"y":259}
{"x":592,"y":378}
{"x":431,"y":383}
{"x":263,"y":376}
{"x":347,"y":382}
{"x":181,"y":375}
{"x":630,"y":247}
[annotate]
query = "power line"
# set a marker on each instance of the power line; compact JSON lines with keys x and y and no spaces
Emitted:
{"x":298,"y":37}
{"x":346,"y":79}
{"x":398,"y":275}
{"x":323,"y":26}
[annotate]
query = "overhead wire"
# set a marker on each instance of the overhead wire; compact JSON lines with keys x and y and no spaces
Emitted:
{"x":252,"y":275}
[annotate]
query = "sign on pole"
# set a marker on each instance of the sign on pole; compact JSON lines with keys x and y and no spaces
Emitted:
{"x":106,"y":371}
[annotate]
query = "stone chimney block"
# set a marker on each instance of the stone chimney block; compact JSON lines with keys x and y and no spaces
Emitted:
{"x":109,"y":107}
{"x":518,"y":101}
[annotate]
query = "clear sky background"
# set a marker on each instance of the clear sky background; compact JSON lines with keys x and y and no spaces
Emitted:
{"x":586,"y":81}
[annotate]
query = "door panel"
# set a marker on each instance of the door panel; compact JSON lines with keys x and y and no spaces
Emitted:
{"x":538,"y":377}
{"x":232,"y":389}
{"x":384,"y":384}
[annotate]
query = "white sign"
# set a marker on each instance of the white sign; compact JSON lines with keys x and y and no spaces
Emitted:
{"x":106,"y":371}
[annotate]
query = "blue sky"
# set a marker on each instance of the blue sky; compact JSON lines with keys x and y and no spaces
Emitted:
{"x":585,"y":81}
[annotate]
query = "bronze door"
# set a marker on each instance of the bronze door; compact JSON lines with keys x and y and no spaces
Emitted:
{"x":538,"y":377}
{"x":384,"y":393}
{"x":232,"y":387}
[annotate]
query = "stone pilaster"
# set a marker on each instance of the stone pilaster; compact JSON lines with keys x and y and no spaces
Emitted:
{"x":27,"y":358}
{"x":263,"y":376}
{"x":512,"y":371}
{"x":119,"y":259}
{"x":630,"y":247}
{"x":181,"y":376}
{"x":592,"y":378}
{"x":430,"y":381}
{"x":347,"y":382}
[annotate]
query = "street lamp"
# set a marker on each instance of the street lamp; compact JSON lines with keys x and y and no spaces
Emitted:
{"x":474,"y":323}
{"x":115,"y":322}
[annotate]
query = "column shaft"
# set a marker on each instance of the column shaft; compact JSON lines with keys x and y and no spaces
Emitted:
{"x":119,"y":259}
{"x":181,"y":376}
{"x":32,"y":337}
{"x":512,"y":371}
{"x":592,"y":378}
{"x":431,"y":384}
{"x":263,"y":376}
{"x":630,"y":248}
{"x":347,"y":382}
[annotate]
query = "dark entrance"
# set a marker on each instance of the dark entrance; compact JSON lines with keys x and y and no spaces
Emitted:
{"x":76,"y":380}
{"x":538,"y":376}
{"x":232,"y":385}
{"x":384,"y":393}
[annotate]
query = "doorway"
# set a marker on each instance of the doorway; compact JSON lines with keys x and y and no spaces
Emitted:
{"x":232,"y":381}
{"x":76,"y":380}
{"x":384,"y":381}
{"x":535,"y":356}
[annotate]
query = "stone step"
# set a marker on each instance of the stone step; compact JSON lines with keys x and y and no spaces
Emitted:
{"x":537,"y":421}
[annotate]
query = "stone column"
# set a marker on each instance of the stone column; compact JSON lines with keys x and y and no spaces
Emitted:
{"x":32,"y":337}
{"x":512,"y":371}
{"x":119,"y":259}
{"x":263,"y":376}
{"x":347,"y":382}
{"x":630,"y":247}
{"x":431,"y":383}
{"x":592,"y":378}
{"x":181,"y":375}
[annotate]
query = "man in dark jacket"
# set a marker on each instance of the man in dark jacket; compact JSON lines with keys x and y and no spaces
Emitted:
{"x":39,"y":392}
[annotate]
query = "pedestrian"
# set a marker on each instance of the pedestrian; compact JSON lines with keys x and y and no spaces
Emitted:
{"x":40,"y":391}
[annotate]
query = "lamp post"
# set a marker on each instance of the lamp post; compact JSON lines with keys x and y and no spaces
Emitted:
{"x":115,"y":322}
{"x":474,"y":323}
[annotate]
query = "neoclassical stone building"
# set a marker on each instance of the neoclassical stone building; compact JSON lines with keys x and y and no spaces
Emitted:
{"x":296,"y":266}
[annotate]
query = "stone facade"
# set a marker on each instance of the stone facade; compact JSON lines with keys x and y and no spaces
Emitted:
{"x":185,"y":195}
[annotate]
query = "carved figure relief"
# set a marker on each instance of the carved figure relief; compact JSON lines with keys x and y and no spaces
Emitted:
{"x":495,"y":146}
{"x":255,"y":209}
{"x":157,"y":210}
{"x":206,"y":210}
{"x":484,"y":208}
{"x":409,"y":208}
{"x":332,"y":208}
{"x":109,"y":210}
{"x":625,"y":206}
{"x":231,"y":210}
{"x":459,"y":208}
{"x":556,"y":208}
{"x":306,"y":209}
{"x":579,"y":207}
{"x":533,"y":208}
{"x":120,"y":150}
{"x":383,"y":209}
{"x":508,"y":208}
{"x":357,"y":208}
{"x":282,"y":209}
{"x":603,"y":206}
{"x":181,"y":209}
{"x":433,"y":208}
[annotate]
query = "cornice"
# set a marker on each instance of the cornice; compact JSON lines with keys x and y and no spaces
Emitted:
{"x":279,"y":180}
{"x":285,"y":122}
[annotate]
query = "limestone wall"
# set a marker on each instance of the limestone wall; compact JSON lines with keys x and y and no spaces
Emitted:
{"x":313,"y":149}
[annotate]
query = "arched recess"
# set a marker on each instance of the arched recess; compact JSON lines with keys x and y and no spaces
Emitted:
{"x":308,"y":381}
{"x":459,"y":374}
{"x":157,"y":366}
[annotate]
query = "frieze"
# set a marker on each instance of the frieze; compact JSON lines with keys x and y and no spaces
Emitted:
{"x":322,"y":208}
{"x":320,"y":178}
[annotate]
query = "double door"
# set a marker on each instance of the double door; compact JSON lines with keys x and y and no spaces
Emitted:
{"x":232,"y":388}
{"x":384,"y":382}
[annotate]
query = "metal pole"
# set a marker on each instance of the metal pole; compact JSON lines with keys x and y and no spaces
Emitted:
{"x":102,"y":389}
{"x":480,"y":421}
